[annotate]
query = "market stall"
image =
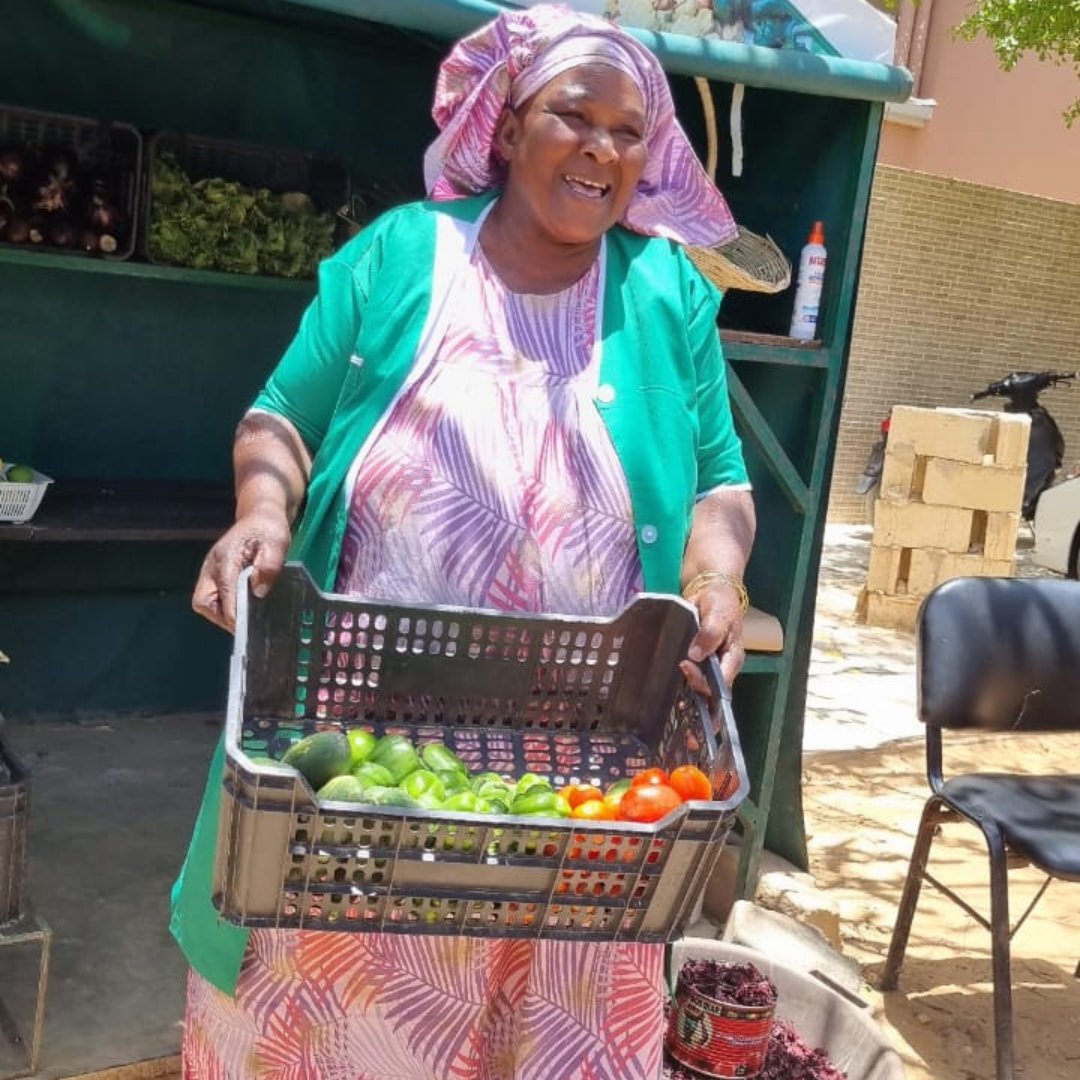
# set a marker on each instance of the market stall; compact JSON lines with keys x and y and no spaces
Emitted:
{"x":125,"y":375}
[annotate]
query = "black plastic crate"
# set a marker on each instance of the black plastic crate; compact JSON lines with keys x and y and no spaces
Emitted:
{"x":580,"y":699}
{"x":108,"y":149}
{"x":14,"y":812}
{"x":325,"y":180}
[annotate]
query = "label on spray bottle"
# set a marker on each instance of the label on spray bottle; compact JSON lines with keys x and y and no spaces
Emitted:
{"x":811,"y":279}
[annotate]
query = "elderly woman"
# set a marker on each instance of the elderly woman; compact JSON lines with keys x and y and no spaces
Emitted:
{"x":512,"y":397}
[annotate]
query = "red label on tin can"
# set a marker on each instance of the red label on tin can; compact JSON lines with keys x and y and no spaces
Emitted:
{"x":719,"y":1039}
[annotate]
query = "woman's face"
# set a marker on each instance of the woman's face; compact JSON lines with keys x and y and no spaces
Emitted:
{"x":575,"y":151}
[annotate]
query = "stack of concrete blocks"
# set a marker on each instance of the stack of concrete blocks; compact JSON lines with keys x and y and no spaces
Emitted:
{"x":949,"y":506}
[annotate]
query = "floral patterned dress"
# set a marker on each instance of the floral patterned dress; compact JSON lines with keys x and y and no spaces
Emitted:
{"x":492,"y":484}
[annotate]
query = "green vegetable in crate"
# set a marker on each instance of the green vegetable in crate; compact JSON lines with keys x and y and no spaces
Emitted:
{"x":537,"y":801}
{"x":396,"y":753}
{"x":463,"y":800}
{"x":345,"y":789}
{"x":363,"y":744}
{"x":320,"y":757}
{"x":372,"y":774}
{"x":453,"y":780}
{"x":439,"y":756}
{"x":423,"y":782}
{"x":529,"y":780}
{"x":477,"y":781}
{"x":389,"y":796}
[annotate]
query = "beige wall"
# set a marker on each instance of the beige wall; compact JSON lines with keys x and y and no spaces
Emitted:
{"x":960,"y":284}
{"x":1001,"y":129}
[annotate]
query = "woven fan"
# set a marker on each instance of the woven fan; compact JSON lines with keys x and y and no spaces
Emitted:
{"x":750,"y":262}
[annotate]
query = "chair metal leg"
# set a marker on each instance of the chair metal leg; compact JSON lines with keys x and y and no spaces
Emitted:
{"x":1000,"y":935}
{"x":928,"y":823}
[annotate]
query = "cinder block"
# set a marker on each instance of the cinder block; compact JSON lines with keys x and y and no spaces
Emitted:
{"x":1000,"y":539}
{"x":956,"y":434}
{"x":930,"y":568}
{"x":1011,"y":434}
{"x":974,"y":487}
{"x":902,"y":474}
{"x":888,"y":569}
{"x":912,"y":525}
{"x":891,"y":612}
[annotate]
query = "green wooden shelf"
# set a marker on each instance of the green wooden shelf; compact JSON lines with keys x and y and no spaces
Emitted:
{"x":764,"y":663}
{"x":773,"y":349}
{"x":48,"y":260}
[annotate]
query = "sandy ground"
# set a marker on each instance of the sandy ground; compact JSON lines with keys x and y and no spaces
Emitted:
{"x":864,"y":789}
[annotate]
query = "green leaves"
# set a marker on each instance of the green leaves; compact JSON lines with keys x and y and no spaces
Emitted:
{"x":1049,"y":29}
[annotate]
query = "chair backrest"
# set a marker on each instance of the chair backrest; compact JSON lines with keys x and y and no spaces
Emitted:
{"x":1000,"y":653}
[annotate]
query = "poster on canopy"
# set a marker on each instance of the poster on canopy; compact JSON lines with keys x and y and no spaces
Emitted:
{"x":853,"y":29}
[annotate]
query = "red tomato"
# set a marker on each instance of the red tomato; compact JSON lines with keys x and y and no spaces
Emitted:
{"x":650,"y":776}
{"x":582,"y":793}
{"x":691,"y":783}
{"x":594,"y":810}
{"x":648,"y":802}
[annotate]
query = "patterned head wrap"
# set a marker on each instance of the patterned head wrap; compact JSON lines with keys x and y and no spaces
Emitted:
{"x":513,"y":56}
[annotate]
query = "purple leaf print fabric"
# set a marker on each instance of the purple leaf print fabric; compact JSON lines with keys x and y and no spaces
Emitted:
{"x":493,"y":483}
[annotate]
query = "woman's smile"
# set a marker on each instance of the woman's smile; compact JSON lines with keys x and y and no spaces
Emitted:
{"x":587,"y":189}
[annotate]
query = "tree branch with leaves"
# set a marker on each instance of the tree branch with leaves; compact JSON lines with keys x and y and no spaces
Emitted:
{"x":1049,"y":29}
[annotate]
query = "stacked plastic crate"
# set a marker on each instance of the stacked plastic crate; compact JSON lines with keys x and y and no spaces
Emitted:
{"x":949,"y":506}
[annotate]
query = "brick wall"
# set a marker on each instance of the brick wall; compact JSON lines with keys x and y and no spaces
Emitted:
{"x":960,"y":284}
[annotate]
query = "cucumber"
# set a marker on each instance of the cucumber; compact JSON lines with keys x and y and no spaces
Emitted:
{"x":320,"y":757}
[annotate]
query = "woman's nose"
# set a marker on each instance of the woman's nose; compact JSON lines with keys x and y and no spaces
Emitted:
{"x":601,"y":146}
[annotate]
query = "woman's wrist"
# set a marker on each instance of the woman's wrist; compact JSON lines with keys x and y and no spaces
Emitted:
{"x":709,"y":578}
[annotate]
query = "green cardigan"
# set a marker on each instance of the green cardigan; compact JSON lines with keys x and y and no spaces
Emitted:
{"x":662,"y":393}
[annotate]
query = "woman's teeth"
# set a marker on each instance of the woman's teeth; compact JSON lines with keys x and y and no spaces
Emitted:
{"x":589,"y":188}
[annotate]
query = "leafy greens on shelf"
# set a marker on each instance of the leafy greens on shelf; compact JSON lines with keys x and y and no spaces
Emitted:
{"x":217,"y":224}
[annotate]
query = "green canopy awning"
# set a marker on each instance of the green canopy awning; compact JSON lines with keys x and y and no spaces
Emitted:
{"x":725,"y":61}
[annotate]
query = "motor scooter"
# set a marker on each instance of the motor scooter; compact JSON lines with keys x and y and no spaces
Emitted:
{"x":867,"y":481}
{"x":1046,"y":445}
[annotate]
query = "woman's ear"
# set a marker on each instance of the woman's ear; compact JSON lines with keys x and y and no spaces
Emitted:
{"x":507,"y":133}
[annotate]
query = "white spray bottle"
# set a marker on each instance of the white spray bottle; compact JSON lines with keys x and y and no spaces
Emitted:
{"x":804,"y":315}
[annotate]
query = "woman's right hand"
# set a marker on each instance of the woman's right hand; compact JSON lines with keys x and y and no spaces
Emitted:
{"x":260,"y":538}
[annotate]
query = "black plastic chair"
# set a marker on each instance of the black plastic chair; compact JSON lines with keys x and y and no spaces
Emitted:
{"x":1000,"y":655}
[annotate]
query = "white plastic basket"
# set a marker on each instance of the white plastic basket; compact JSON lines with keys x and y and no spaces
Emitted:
{"x":19,"y":502}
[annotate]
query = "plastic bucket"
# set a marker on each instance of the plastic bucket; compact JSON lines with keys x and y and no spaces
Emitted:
{"x":719,"y":1038}
{"x":841,"y":1025}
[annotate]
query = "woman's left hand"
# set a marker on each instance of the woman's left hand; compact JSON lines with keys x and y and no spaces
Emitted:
{"x":721,"y":536}
{"x":721,"y":631}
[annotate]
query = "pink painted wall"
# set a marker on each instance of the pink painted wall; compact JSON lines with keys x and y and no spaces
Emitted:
{"x":1000,"y":129}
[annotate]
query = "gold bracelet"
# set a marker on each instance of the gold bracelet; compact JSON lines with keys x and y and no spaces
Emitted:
{"x":708,"y":577}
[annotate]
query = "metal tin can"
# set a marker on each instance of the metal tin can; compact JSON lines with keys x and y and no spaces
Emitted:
{"x":718,"y":1038}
